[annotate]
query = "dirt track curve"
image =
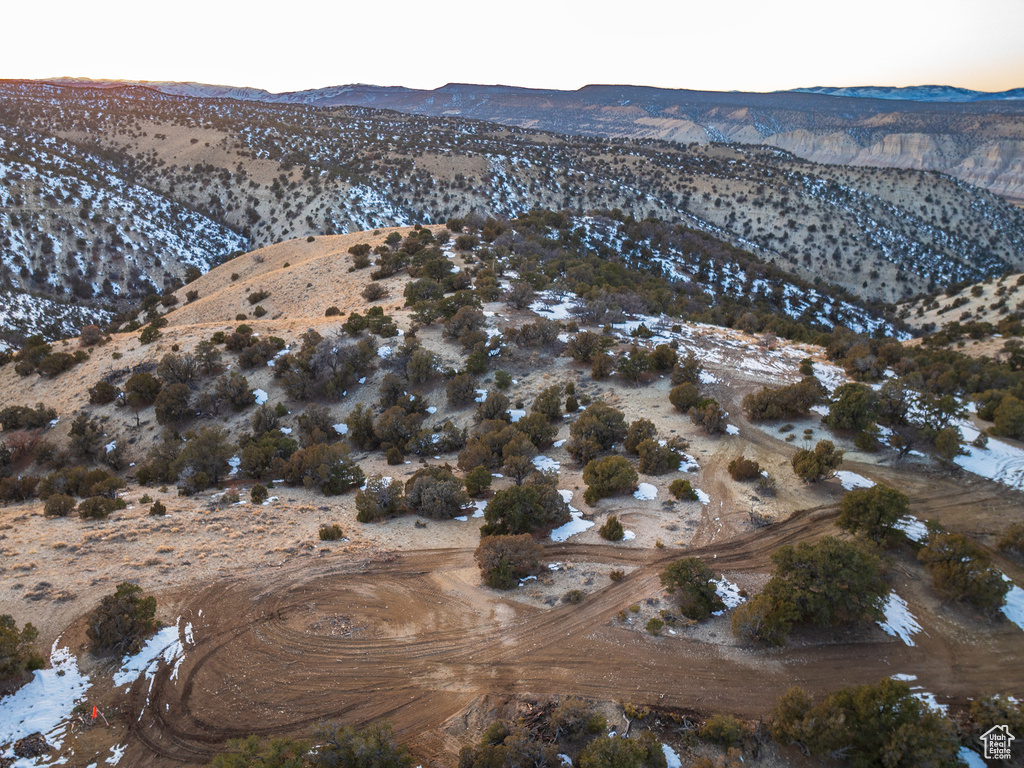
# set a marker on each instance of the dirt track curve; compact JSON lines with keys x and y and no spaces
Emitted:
{"x":414,"y":638}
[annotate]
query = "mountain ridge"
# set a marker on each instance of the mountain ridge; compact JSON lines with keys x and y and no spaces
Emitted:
{"x":975,"y":137}
{"x":916,"y":93}
{"x":939,"y":93}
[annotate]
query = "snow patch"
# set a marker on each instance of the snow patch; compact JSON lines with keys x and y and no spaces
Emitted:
{"x":116,"y":753}
{"x":554,"y":306}
{"x":167,"y":646}
{"x":1014,"y":607}
{"x":899,"y":621}
{"x":645,"y":492}
{"x":545,"y":464}
{"x":261,"y":396}
{"x":671,"y":758}
{"x":914,"y":529}
{"x":574,"y":526}
{"x":730,"y":594}
{"x":851,"y":480}
{"x":341,"y":428}
{"x":971,"y":758}
{"x":831,"y":376}
{"x":44,"y":703}
{"x":998,"y":461}
{"x":928,"y":699}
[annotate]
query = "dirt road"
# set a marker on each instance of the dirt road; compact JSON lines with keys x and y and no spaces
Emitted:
{"x":415,"y":639}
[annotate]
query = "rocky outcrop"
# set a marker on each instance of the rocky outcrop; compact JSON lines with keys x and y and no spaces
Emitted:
{"x":996,"y":165}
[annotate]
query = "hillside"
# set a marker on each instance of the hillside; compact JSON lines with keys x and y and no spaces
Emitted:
{"x":447,"y":360}
{"x":976,"y":137}
{"x":189,"y":181}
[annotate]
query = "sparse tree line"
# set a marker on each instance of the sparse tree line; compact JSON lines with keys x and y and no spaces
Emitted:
{"x":863,"y":726}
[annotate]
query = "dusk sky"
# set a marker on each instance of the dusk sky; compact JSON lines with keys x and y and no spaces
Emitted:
{"x":742,"y":45}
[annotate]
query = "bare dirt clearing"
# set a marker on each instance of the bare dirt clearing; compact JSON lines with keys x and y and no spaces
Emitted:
{"x":358,"y":632}
{"x":424,"y":641}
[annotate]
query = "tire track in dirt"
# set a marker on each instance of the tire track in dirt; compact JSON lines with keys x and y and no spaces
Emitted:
{"x":427,"y":643}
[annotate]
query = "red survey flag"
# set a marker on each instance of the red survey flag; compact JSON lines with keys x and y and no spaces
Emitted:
{"x":95,"y":711}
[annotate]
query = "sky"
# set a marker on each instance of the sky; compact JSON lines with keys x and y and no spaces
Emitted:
{"x":748,"y":45}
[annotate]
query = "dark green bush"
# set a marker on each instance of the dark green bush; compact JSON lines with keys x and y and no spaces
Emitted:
{"x":874,"y":512}
{"x":122,"y":620}
{"x":379,"y":498}
{"x":59,"y":505}
{"x":742,"y":468}
{"x":436,"y":492}
{"x":478,"y":481}
{"x":525,"y":508}
{"x":963,"y":572}
{"x":724,"y":730}
{"x":331,"y":532}
{"x":818,"y":464}
{"x":657,"y":459}
{"x":693,"y":585}
{"x":504,"y":560}
{"x":1012,"y":538}
{"x":612,"y":529}
{"x":98,"y":507}
{"x":326,"y":468}
{"x":102,"y":392}
{"x":784,"y":402}
{"x":610,"y":476}
{"x":17,"y":651}
{"x":682,"y":490}
{"x":22,"y":417}
{"x":868,"y":724}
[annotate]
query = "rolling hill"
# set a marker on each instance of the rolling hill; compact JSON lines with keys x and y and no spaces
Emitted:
{"x":974,"y":136}
{"x":115,"y":192}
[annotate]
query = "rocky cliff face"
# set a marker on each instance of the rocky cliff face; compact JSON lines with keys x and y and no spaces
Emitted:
{"x":996,"y":165}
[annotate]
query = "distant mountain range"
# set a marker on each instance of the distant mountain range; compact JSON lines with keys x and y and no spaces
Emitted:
{"x":343,"y":94}
{"x":940,"y":93}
